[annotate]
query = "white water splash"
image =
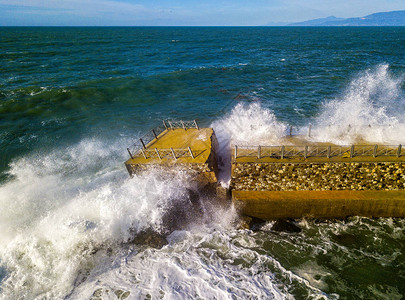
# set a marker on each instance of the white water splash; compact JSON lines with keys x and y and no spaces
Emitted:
{"x":372,"y":109}
{"x":59,"y":209}
{"x":249,"y":124}
{"x":246,"y":125}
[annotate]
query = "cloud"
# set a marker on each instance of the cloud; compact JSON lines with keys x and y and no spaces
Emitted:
{"x":101,"y":6}
{"x":72,"y":12}
{"x":181,"y":12}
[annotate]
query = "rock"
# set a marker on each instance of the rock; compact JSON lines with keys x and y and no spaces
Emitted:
{"x":282,"y":225}
{"x":150,"y":238}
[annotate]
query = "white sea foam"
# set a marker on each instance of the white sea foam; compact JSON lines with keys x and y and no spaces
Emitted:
{"x":372,"y":109}
{"x":194,"y":265}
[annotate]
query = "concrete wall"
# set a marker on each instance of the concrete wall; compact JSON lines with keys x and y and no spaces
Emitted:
{"x":319,"y":204}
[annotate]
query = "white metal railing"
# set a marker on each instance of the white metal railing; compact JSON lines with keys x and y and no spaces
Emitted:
{"x":318,"y":151}
{"x":140,"y":147}
{"x":165,"y":153}
{"x":180,"y":124}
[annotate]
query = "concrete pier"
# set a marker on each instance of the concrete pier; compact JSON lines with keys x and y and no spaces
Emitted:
{"x":179,"y":144}
{"x":293,"y":180}
{"x":319,"y":180}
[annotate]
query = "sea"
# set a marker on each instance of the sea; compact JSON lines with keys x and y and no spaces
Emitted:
{"x":72,"y":99}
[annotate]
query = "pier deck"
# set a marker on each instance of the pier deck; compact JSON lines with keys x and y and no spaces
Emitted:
{"x":179,"y":144}
{"x":179,"y":139}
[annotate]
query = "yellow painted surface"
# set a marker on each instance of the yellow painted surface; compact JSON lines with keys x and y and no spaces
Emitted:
{"x":320,"y":159}
{"x":198,"y":140}
{"x":319,"y":204}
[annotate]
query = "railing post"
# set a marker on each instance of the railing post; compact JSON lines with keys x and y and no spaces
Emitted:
{"x":164,"y":124}
{"x":158,"y":154}
{"x":143,"y":144}
{"x":259,"y":152}
{"x":329,"y":151}
{"x":306,"y":152}
{"x":182,"y":124}
{"x":236,"y":151}
{"x":196,"y":125}
{"x":290,"y":130}
{"x":191,"y":152}
{"x":130,"y":154}
{"x":144,"y":154}
{"x":351,"y":151}
{"x":309,"y":130}
{"x":154,"y":133}
{"x":375,"y":151}
{"x":170,"y":124}
{"x":399,"y":150}
{"x":282,"y":151}
{"x":174,"y":155}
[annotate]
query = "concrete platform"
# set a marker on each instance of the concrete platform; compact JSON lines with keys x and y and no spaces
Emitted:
{"x":190,"y":149}
{"x":199,"y":141}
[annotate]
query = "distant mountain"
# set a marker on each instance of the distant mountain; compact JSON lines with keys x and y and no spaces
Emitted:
{"x":393,"y":18}
{"x":317,"y":22}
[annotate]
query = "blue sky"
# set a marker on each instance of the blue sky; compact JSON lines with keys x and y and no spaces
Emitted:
{"x":190,"y":12}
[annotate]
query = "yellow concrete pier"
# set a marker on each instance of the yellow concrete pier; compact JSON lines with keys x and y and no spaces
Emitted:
{"x":294,"y":180}
{"x":319,"y":180}
{"x":180,"y":140}
{"x":190,"y":148}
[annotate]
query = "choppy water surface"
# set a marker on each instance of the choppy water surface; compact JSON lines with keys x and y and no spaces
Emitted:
{"x":73,"y":99}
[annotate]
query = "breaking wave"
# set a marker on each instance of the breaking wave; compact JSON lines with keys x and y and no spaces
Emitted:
{"x":61,"y":208}
{"x":372,"y":109}
{"x":246,"y":125}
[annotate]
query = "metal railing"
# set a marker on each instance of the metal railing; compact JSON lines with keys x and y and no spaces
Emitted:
{"x":305,"y":151}
{"x":165,"y":153}
{"x":180,"y":124}
{"x":139,"y":148}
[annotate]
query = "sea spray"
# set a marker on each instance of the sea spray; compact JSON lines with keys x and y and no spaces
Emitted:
{"x":372,"y":109}
{"x":57,"y":215}
{"x":246,"y":125}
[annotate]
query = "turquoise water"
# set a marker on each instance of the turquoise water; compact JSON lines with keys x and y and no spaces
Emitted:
{"x":73,"y":99}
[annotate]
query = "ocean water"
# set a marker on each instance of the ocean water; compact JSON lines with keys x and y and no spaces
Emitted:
{"x":73,"y":99}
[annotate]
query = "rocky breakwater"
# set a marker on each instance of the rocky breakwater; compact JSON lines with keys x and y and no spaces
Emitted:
{"x":318,"y":176}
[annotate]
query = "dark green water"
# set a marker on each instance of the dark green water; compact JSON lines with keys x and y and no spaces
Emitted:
{"x":73,"y":99}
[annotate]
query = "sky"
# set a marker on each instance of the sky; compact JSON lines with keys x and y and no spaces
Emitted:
{"x":183,"y":13}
